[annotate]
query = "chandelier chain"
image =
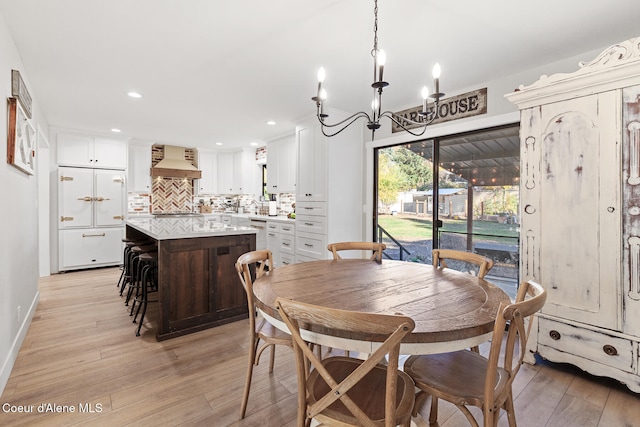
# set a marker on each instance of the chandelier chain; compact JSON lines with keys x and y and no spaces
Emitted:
{"x":375,"y":29}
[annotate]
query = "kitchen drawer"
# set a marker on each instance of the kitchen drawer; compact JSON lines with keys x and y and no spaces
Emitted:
{"x":311,"y":245}
{"x":287,"y":228}
{"x":286,"y":259}
{"x":311,"y":208}
{"x":287,"y":245}
{"x":281,"y":227}
{"x":311,"y":224}
{"x":588,"y":344}
{"x":94,"y":247}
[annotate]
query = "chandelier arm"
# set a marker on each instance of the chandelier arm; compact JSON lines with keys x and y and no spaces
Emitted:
{"x":390,"y":116}
{"x":349,"y":121}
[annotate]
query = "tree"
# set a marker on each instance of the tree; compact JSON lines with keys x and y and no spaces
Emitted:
{"x":416,"y":172}
{"x":389,"y":179}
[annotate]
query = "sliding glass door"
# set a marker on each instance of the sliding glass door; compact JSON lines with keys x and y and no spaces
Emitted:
{"x":469,"y":202}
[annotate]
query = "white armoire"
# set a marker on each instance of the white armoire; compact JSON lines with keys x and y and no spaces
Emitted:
{"x":580,"y":212}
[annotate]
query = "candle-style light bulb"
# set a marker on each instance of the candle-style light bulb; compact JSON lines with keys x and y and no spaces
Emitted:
{"x":425,"y":95}
{"x":436,"y":79}
{"x":436,"y":71}
{"x":374,"y":106}
{"x":322,"y":96}
{"x":321,"y":76}
{"x":381,"y":58}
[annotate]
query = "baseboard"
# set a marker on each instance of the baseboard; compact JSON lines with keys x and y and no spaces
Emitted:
{"x":7,"y":364}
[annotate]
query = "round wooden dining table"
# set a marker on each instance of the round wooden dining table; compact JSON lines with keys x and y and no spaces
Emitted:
{"x":452,"y":310}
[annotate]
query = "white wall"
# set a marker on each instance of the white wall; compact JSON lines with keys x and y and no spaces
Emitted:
{"x":19,"y":223}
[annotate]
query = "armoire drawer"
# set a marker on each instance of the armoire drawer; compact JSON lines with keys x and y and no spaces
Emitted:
{"x":588,"y":344}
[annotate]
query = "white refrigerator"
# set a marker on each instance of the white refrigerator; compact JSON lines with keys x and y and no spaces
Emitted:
{"x":91,"y":215}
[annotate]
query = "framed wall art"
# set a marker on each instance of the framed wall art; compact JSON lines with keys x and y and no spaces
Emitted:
{"x":19,"y":90}
{"x":21,"y":140}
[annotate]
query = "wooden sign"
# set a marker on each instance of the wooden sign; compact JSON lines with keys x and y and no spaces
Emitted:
{"x":456,"y":107}
{"x":19,"y":90}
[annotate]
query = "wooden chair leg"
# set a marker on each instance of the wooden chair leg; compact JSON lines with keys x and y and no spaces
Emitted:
{"x":433,"y":413}
{"x":272,"y":357}
{"x":247,"y":384}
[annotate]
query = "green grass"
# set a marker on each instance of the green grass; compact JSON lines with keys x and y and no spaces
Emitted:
{"x":414,"y":228}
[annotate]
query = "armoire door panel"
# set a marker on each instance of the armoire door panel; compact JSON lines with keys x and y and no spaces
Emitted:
{"x":580,"y":209}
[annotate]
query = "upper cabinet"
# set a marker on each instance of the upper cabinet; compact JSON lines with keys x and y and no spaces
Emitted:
{"x":238,"y":172}
{"x":139,"y":171}
{"x":208,"y":165}
{"x":281,"y":165}
{"x":312,"y":163}
{"x":90,"y":151}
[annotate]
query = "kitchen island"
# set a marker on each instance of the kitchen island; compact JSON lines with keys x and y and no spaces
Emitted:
{"x":198,"y":287}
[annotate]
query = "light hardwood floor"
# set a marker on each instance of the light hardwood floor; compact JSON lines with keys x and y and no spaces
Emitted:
{"x":81,"y":352}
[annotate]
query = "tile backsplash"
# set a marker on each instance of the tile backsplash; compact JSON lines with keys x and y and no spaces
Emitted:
{"x":177,"y":194}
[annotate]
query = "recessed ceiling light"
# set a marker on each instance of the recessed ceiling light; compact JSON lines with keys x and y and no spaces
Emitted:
{"x":116,"y":130}
{"x":134,"y":95}
{"x":218,"y":143}
{"x":255,"y":144}
{"x":271,"y":123}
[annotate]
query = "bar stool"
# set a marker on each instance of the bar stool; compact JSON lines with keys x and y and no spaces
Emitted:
{"x":125,"y":276}
{"x":135,"y":273}
{"x":148,"y":283}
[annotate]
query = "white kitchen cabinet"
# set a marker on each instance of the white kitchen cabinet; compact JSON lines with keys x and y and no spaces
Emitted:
{"x":139,"y":172}
{"x":225,"y":173}
{"x":580,"y":224}
{"x":89,"y":151}
{"x":329,"y":186}
{"x":281,"y":165}
{"x":312,"y":163}
{"x":238,"y":172}
{"x":281,"y":242}
{"x":208,"y":165}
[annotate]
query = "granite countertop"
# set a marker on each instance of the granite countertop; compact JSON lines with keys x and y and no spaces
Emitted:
{"x":185,"y":228}
{"x":280,"y":218}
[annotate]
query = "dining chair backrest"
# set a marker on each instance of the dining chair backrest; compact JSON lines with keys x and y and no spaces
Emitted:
{"x":323,"y":393}
{"x":375,"y":247}
{"x":441,"y":255}
{"x":530,"y":298}
{"x":250,"y":266}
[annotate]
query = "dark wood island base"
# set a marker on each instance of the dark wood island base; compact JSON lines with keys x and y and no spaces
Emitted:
{"x":198,"y":286}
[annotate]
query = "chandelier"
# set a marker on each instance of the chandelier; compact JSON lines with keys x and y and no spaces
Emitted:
{"x":427,"y":116}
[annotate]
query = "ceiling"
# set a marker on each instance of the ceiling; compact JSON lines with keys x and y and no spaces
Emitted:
{"x":216,"y":71}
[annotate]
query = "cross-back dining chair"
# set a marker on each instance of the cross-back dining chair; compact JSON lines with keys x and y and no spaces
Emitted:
{"x":347,"y":391}
{"x":375,"y":247}
{"x":467,"y":378}
{"x":441,"y":255}
{"x":251,"y":266}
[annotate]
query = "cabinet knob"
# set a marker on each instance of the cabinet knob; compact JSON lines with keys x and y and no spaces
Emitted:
{"x":611,"y":209}
{"x":610,"y":350}
{"x":555,"y":335}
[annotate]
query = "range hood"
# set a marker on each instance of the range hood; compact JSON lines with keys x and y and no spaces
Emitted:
{"x":174,"y":165}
